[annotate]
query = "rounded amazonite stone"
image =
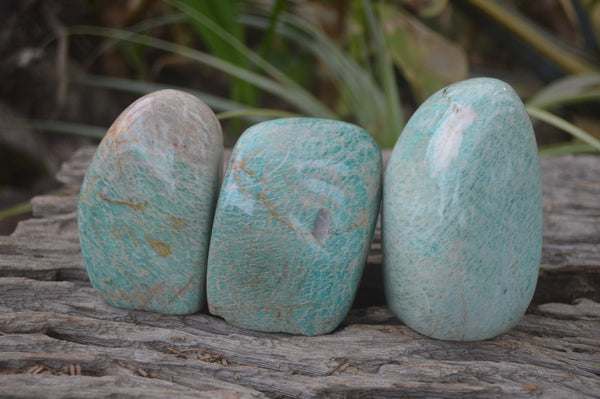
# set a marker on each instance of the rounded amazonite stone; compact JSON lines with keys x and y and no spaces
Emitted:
{"x":293,"y":225}
{"x":462,"y":214}
{"x":147,"y":202}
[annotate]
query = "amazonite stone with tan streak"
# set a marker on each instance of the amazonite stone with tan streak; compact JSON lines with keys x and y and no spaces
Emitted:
{"x":293,"y":225}
{"x":462,"y":214}
{"x":147,"y":202}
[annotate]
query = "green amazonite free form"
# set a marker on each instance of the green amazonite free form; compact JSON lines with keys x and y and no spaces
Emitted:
{"x":293,"y":224}
{"x":147,"y":201}
{"x":462,"y":213}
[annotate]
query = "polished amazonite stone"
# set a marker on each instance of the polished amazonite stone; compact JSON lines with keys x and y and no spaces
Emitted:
{"x":147,"y":202}
{"x":293,"y":225}
{"x":462,"y":214}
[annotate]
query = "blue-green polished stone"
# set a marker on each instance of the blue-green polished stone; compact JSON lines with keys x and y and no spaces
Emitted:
{"x":293,"y":224}
{"x":147,"y":202}
{"x":462,"y":214}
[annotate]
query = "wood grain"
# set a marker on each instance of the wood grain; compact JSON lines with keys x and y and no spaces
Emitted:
{"x":58,"y":339}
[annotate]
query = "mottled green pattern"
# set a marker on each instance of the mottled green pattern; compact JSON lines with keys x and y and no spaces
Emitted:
{"x":147,"y":202}
{"x":462,"y":214}
{"x":293,"y":224}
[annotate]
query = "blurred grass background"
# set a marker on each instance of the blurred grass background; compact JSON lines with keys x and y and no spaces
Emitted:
{"x":69,"y":67}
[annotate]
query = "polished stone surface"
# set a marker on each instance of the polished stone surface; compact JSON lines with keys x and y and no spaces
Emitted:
{"x":462,"y":214}
{"x":147,"y":202}
{"x":293,"y":225}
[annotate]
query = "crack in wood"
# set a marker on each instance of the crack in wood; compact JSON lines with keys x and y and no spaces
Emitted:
{"x":202,"y":354}
{"x":38,"y":368}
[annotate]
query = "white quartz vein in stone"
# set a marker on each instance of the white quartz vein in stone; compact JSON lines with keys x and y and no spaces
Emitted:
{"x":445,"y":144}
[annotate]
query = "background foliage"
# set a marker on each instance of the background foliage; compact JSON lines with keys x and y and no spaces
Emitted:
{"x":367,"y":62}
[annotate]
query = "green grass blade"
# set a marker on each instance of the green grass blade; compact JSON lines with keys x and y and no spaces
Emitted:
{"x":302,"y":96}
{"x":225,"y":15}
{"x":358,"y":45}
{"x":567,"y":149}
{"x":293,"y":97}
{"x":564,"y":125}
{"x":276,"y":10}
{"x":356,"y":86}
{"x":76,"y":129}
{"x":151,"y":23}
{"x":387,"y":77}
{"x":567,"y":99}
{"x":569,"y":90}
{"x":545,"y":43}
{"x":225,"y":108}
{"x":217,"y":103}
{"x":222,"y":14}
{"x":16,"y":210}
{"x":345,"y":69}
{"x":24,"y":207}
{"x":254,"y":112}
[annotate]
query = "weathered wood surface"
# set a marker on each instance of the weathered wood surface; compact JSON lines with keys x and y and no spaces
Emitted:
{"x":58,"y":339}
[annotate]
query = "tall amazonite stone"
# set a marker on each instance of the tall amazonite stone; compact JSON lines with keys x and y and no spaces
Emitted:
{"x":462,"y":214}
{"x":293,"y":224}
{"x":147,"y":202}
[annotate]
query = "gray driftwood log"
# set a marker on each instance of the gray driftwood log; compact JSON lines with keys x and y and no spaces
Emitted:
{"x":58,"y":339}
